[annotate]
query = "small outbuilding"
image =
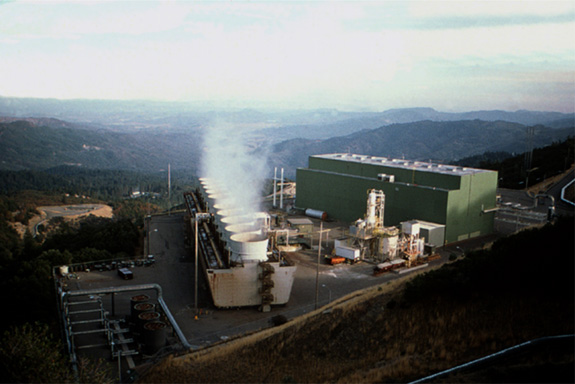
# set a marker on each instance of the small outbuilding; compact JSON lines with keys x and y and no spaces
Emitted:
{"x":303,"y":225}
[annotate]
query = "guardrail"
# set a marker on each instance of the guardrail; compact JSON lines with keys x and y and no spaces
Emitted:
{"x":495,"y":356}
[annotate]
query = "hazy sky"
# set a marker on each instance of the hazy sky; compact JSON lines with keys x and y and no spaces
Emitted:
{"x":449,"y":55}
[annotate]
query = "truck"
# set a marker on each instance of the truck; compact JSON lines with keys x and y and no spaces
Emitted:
{"x":125,"y":273}
{"x":352,"y":255}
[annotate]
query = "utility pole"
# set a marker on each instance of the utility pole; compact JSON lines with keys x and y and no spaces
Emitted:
{"x":321,"y":231}
{"x":196,"y":266}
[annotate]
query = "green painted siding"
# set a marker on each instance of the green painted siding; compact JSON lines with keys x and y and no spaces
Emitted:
{"x":340,"y":188}
{"x":344,"y":197}
{"x":465,"y":209}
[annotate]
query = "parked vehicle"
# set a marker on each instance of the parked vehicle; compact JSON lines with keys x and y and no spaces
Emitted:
{"x":333,"y":260}
{"x":125,"y":273}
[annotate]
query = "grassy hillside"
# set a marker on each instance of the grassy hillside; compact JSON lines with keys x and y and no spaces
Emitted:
{"x":400,"y":333}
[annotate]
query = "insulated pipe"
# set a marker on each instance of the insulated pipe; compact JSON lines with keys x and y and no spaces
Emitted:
{"x":275,"y":184}
{"x":131,"y":288}
{"x":282,"y":190}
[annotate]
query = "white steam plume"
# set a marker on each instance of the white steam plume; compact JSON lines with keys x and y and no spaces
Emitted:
{"x":228,"y":162}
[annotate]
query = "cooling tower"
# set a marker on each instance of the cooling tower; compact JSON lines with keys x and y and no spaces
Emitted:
{"x":227,"y":213}
{"x":236,"y":229}
{"x":247,"y":247}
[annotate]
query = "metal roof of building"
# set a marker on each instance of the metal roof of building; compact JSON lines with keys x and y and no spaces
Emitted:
{"x":300,"y":221}
{"x":423,"y":166}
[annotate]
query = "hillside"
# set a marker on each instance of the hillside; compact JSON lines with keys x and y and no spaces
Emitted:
{"x":546,"y":162}
{"x":41,"y":143}
{"x":26,"y":145}
{"x":424,"y":140}
{"x":391,"y":333}
{"x":370,"y":121}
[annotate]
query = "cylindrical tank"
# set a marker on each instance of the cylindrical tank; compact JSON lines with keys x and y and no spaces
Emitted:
{"x":141,"y":308}
{"x":146,"y":317}
{"x":371,"y":208}
{"x":248,"y":247}
{"x":137,"y":300}
{"x":316,"y":214}
{"x":154,"y":336}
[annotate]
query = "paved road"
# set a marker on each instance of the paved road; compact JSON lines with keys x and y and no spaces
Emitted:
{"x":562,"y":208}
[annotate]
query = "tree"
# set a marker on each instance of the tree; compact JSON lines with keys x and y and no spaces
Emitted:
{"x":30,"y":354}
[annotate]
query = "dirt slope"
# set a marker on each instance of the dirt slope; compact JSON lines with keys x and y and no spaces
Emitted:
{"x":372,"y":337}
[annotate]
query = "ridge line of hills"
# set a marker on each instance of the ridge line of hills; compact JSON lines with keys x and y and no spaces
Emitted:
{"x":46,"y":142}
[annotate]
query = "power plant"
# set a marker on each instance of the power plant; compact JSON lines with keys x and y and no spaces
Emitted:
{"x":239,"y":256}
{"x":398,"y":212}
{"x":460,"y":200}
{"x":391,"y":247}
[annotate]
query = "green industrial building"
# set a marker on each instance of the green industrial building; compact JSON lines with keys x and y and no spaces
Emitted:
{"x":462,"y":199}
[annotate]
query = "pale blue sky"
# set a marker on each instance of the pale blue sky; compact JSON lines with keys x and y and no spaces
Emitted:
{"x":449,"y":55}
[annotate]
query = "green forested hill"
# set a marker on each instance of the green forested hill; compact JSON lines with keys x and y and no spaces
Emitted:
{"x":545,"y":162}
{"x":424,"y":140}
{"x":24,"y":145}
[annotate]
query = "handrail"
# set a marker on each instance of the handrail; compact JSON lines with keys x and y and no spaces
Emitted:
{"x":130,"y":288}
{"x":492,"y":356}
{"x":563,"y":192}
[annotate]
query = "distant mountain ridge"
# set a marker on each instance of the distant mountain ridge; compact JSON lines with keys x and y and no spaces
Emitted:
{"x":278,"y":124}
{"x":410,"y":115}
{"x":142,"y":139}
{"x":438,"y":141}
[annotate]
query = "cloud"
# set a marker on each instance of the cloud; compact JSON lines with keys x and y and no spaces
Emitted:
{"x":52,"y":20}
{"x":310,"y":54}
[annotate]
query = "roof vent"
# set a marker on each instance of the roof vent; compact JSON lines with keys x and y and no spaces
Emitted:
{"x":385,"y":177}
